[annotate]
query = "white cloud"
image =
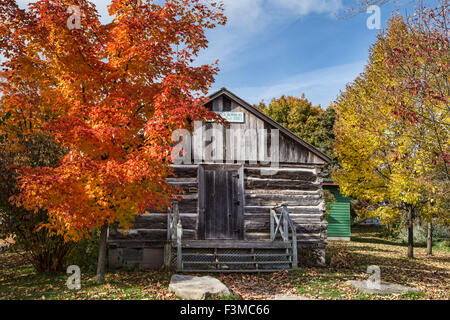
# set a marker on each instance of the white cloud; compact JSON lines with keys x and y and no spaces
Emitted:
{"x":321,"y":85}
{"x":245,"y":14}
{"x":255,"y":15}
{"x":250,"y":21}
{"x":304,"y":7}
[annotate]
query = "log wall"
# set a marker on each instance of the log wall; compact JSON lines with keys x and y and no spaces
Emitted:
{"x":299,"y":187}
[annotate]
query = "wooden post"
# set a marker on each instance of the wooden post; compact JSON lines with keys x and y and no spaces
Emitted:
{"x":168,"y":245}
{"x":294,"y":249}
{"x":179,"y":234}
{"x":169,"y":226}
{"x":285,"y":216}
{"x":179,"y":251}
{"x":272,"y":225}
{"x":176,"y":213}
{"x":168,"y":255}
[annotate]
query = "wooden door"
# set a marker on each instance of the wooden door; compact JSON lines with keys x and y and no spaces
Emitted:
{"x":221,"y":202}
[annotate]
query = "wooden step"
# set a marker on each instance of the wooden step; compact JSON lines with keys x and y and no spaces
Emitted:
{"x":236,"y":256}
{"x":234,"y":271}
{"x":236,"y":262}
{"x":235,"y":244}
{"x":247,"y":255}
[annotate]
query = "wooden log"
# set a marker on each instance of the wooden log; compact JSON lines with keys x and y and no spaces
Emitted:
{"x":311,"y":228}
{"x":181,"y":180}
{"x":317,"y":192}
{"x":188,"y":187}
{"x":308,"y":237}
{"x":262,"y":225}
{"x":306,"y":218}
{"x":159,"y":221}
{"x":185,"y":206}
{"x":286,"y":166}
{"x":135,"y":244}
{"x":257,"y":225}
{"x":185,"y":171}
{"x":275,"y":200}
{"x":289,"y":174}
{"x":279,"y":184}
{"x":279,"y":196}
{"x":149,"y":235}
{"x":292,"y":209}
{"x":257,"y":236}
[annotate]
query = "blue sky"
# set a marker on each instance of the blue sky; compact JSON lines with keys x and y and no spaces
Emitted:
{"x":273,"y":47}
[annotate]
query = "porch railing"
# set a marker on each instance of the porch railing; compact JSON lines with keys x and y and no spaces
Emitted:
{"x":174,"y":235}
{"x":280,"y":225}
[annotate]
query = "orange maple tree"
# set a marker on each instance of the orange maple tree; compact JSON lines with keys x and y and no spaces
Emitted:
{"x":111,"y":94}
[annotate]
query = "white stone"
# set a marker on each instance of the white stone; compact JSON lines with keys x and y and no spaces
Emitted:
{"x":385,"y":288}
{"x":197,"y":288}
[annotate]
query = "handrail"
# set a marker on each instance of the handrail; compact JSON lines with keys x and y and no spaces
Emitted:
{"x":280,"y":224}
{"x":175,"y":232}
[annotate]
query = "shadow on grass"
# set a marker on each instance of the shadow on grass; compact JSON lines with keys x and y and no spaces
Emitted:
{"x":374,"y":235}
{"x":377,"y":241}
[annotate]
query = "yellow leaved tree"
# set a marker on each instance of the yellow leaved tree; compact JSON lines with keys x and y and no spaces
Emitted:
{"x":392,"y":126}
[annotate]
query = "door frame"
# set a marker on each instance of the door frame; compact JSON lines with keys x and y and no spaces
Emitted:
{"x":202,"y":197}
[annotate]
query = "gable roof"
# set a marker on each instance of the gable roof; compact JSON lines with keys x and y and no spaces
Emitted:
{"x":262,"y":116}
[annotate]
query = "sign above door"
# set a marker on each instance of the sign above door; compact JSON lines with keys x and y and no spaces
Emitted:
{"x":233,"y":117}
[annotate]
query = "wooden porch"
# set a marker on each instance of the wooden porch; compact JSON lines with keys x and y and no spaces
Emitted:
{"x":227,"y":255}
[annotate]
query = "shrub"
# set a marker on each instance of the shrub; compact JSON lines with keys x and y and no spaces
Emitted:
{"x":441,"y":233}
{"x":85,"y":253}
{"x":45,"y":251}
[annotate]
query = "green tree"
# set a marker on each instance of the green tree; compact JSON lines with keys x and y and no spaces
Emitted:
{"x":311,"y":123}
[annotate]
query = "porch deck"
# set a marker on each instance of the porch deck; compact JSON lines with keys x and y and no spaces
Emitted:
{"x":224,"y":255}
{"x":236,"y":244}
{"x":232,"y":256}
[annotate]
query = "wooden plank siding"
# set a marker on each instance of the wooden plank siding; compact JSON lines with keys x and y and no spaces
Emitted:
{"x":250,"y":148}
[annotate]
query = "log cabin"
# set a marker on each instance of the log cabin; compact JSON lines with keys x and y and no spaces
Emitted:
{"x":253,"y":200}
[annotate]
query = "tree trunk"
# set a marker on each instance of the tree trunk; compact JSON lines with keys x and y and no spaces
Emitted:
{"x":430,"y":239}
{"x":102,"y":254}
{"x":411,"y":233}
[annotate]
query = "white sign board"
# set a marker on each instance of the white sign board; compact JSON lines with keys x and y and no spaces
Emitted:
{"x":233,"y":117}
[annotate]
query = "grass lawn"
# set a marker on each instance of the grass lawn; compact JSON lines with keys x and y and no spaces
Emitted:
{"x":347,"y":261}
